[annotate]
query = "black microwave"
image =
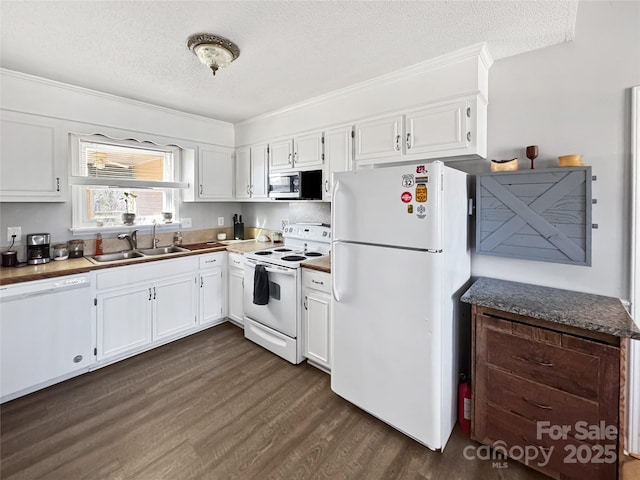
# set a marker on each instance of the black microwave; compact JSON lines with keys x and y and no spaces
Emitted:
{"x":296,"y":185}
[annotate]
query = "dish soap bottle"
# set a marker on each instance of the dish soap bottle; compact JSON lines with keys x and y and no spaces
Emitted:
{"x":99,"y":250}
{"x":177,"y":238}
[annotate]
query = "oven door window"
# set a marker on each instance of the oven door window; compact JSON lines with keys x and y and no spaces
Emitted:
{"x":280,"y":313}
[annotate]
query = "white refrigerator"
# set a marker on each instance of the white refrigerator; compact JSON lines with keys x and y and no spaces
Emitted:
{"x":400,"y":258}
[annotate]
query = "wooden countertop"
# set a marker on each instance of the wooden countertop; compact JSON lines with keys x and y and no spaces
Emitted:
{"x":248,"y":246}
{"x":322,"y":264}
{"x":577,"y":309}
{"x":27,"y":273}
{"x":11,"y":275}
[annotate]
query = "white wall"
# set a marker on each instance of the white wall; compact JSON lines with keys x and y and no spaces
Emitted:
{"x":95,"y":112}
{"x":574,"y":98}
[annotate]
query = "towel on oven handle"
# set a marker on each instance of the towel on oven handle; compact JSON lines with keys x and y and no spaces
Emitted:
{"x":261,"y":285}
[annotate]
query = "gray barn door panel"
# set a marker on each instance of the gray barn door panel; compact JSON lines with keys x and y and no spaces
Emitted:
{"x":535,"y":214}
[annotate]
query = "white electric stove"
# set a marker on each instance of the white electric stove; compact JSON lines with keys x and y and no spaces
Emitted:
{"x":277,"y":325}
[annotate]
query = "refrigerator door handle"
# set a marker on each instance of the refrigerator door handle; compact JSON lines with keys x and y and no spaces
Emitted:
{"x":334,"y":250}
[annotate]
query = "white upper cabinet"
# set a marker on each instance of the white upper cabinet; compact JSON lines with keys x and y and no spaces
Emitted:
{"x":338,"y":148}
{"x":448,"y":129}
{"x":215,"y":172}
{"x":281,"y":155}
{"x":33,"y":153}
{"x":208,"y":169}
{"x":302,"y":152}
{"x":379,"y":138}
{"x":243,"y":172}
{"x":307,"y":151}
{"x":251,"y":172}
{"x":259,"y":170}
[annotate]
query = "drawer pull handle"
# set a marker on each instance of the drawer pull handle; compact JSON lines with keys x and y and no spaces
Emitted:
{"x":542,"y":363}
{"x":536,"y":404}
{"x":528,"y":442}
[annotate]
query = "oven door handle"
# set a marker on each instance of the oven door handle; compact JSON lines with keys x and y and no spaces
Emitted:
{"x":291,"y":273}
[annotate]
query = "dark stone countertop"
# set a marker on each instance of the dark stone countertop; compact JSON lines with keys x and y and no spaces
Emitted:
{"x":583,"y":310}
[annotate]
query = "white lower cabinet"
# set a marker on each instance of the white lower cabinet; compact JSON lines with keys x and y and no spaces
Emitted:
{"x":124,"y":320}
{"x":236,"y":287}
{"x":316,"y":320}
{"x":213,"y":292}
{"x":140,"y":305}
{"x":174,"y":305}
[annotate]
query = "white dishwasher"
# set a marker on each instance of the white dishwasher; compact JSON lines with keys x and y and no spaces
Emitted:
{"x":46,"y":333}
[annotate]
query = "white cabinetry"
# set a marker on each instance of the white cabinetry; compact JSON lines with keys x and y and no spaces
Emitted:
{"x":209,"y":171}
{"x":303,"y":152}
{"x":338,"y":147}
{"x":316,"y":321}
{"x":174,"y":303}
{"x":236,"y":287}
{"x":215,"y":172}
{"x":251,"y":171}
{"x":33,"y":158}
{"x":454,"y":128}
{"x":213,"y":290}
{"x":47,"y":333}
{"x":141,"y":305}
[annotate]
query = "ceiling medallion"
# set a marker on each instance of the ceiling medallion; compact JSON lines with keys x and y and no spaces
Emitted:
{"x":212,"y":50}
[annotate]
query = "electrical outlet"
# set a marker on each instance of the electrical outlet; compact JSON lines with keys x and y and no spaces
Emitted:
{"x":284,"y":223}
{"x":186,"y":222}
{"x":221,"y":221}
{"x":17,"y":231}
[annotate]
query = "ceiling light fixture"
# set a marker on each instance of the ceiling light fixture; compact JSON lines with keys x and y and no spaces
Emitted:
{"x":214,"y":51}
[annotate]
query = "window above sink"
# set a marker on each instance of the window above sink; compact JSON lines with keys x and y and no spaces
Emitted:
{"x":111,"y":177}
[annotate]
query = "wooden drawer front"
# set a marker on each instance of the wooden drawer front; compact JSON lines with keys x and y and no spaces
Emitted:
{"x":516,"y":431}
{"x":569,"y":370}
{"x":537,"y":402}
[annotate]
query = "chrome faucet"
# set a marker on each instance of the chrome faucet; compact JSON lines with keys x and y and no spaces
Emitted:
{"x":154,"y":241}
{"x":132,"y":239}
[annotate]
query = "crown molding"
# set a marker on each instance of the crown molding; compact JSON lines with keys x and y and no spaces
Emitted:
{"x":109,"y":96}
{"x":478,"y":50}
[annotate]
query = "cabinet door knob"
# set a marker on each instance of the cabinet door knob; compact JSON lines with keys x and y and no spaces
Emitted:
{"x":290,"y":161}
{"x":408,"y":141}
{"x":397,"y":143}
{"x":201,"y":282}
{"x":200,"y":189}
{"x":57,"y":184}
{"x":468,"y":136}
{"x":149,"y":294}
{"x":326,"y":185}
{"x":154,"y":293}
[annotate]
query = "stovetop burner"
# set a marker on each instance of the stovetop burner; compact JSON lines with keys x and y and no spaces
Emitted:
{"x":313,"y":254}
{"x":293,"y":258}
{"x":282,"y":250}
{"x":263,"y":252}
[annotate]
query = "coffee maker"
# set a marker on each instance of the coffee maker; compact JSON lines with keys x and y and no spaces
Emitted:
{"x":38,"y":248}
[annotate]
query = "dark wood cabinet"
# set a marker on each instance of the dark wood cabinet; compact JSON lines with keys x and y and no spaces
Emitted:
{"x":547,"y":389}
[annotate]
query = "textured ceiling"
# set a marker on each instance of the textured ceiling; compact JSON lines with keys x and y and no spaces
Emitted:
{"x":290,"y":50}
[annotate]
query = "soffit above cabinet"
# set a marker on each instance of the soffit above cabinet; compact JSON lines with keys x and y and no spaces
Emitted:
{"x":291,"y":51}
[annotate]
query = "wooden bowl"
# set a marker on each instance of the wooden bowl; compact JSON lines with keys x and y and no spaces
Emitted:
{"x":570,"y":160}
{"x":504,"y":165}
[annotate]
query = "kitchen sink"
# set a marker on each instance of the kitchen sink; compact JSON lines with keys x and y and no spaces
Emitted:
{"x":110,"y":257}
{"x":162,"y":250}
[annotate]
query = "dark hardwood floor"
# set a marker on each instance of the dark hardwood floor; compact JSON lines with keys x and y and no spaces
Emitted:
{"x":215,"y":406}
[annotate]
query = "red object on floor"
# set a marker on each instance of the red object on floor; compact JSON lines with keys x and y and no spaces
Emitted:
{"x":464,"y":405}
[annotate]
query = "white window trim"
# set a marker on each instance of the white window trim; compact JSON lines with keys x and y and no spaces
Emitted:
{"x":78,"y":183}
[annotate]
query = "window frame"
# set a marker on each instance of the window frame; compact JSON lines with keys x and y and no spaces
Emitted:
{"x":80,"y":184}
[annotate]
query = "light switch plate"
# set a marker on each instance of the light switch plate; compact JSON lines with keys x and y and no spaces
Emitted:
{"x":221,"y":221}
{"x":186,"y":222}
